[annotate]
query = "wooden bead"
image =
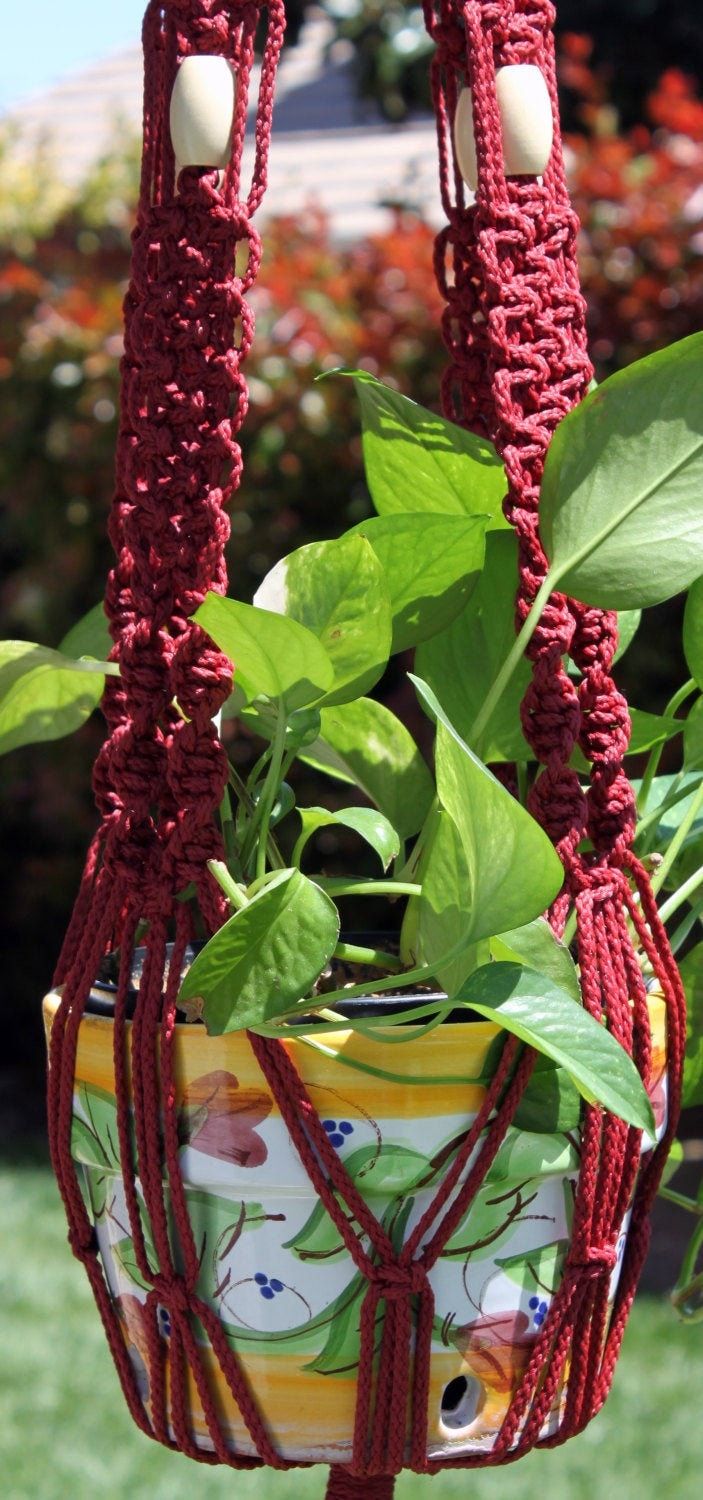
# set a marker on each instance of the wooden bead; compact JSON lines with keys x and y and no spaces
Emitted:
{"x":202,"y":106}
{"x":526,"y":120}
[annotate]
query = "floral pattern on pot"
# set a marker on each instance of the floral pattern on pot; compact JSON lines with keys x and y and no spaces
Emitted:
{"x":272,"y":1263}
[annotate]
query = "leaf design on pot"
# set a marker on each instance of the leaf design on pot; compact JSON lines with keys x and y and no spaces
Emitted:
{"x":126,"y":1259}
{"x":491,"y":1220}
{"x":95,"y":1139}
{"x":539,"y":1271}
{"x":219,"y":1118}
{"x":388,"y":1169}
{"x":218,"y":1224}
{"x":319,"y":1238}
{"x":340,"y":1354}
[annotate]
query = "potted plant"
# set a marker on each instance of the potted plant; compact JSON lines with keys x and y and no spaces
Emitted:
{"x":400,"y":1039}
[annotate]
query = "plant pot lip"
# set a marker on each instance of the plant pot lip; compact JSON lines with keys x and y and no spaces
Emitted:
{"x":101,"y":1001}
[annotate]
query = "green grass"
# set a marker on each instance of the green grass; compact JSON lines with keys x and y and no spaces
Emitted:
{"x":65,"y":1434}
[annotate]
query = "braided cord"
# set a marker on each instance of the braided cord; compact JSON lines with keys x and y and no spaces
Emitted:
{"x":160,"y":776}
{"x":515,"y":333}
{"x":514,"y":326}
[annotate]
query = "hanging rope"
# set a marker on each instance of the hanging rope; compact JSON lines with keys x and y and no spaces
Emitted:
{"x":515,"y":332}
{"x":514,"y":328}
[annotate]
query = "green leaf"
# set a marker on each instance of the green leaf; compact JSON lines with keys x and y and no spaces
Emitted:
{"x":548,"y":1019}
{"x":693,"y":631}
{"x":673,"y":1161}
{"x":629,"y":621}
{"x":364,"y":743}
{"x":513,"y":870}
{"x":693,"y":738}
{"x":366,"y":821}
{"x":413,"y":455}
{"x":338,"y":591}
{"x":550,"y":1103}
{"x":649,"y":730}
{"x":266,"y":957}
{"x":272,"y":656}
{"x":436,"y":921}
{"x":538,"y":947}
{"x":462,"y":662}
{"x":684,"y":787}
{"x":44,"y":695}
{"x":431,"y":565}
{"x":691,"y":969}
{"x":90,"y":636}
{"x":620,"y":515}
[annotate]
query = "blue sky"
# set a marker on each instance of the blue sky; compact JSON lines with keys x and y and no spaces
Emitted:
{"x":43,"y":40}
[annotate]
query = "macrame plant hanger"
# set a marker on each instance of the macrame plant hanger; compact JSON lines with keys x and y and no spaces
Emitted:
{"x":514,"y":327}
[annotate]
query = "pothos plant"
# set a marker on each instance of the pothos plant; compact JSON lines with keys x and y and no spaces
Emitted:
{"x":435,"y":571}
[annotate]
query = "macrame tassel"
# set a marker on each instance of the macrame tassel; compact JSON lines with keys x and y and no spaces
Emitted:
{"x":514,"y":326}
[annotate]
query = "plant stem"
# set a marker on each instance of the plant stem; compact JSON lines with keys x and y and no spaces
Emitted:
{"x":356,"y":955}
{"x":678,"y":938}
{"x":245,"y":797}
{"x":335,"y":886}
{"x":228,"y":836}
{"x":668,"y":908}
{"x":681,"y":1201}
{"x":688,"y":1268}
{"x":678,"y":840}
{"x":512,"y":661}
{"x":675,"y":794}
{"x":570,"y":928}
{"x":298,"y":848}
{"x":652,"y":767}
{"x":522,"y":781}
{"x":262,"y":816}
{"x":234,"y":893}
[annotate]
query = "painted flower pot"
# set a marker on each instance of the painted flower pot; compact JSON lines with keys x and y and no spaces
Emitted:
{"x":271,"y":1262}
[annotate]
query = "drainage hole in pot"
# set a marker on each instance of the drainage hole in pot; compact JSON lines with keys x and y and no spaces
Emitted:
{"x":462,"y":1399}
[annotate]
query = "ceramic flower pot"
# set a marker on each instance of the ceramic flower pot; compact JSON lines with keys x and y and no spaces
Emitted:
{"x":272,"y":1265}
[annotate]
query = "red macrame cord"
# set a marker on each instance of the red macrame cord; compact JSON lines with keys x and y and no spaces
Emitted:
{"x":515,"y":333}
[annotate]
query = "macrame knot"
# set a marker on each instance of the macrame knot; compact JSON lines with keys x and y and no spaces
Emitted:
{"x":201,"y":676}
{"x":597,"y":1261}
{"x":595,"y":639}
{"x":550,"y":715}
{"x":172,"y":1292}
{"x":605,"y":728}
{"x":394,"y":1283}
{"x":83,"y":1241}
{"x":450,"y":41}
{"x":612,"y":815}
{"x":557,"y":802}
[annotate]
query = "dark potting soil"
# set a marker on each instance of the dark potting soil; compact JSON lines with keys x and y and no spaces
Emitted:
{"x":339,"y":974}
